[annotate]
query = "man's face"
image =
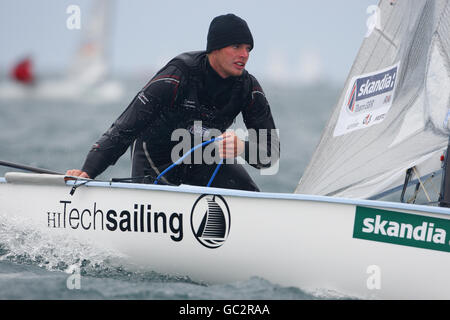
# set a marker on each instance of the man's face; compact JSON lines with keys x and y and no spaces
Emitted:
{"x":230,"y":61}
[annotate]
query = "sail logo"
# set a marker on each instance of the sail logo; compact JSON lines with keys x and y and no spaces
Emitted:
{"x":352,"y":99}
{"x":211,"y":220}
{"x":367,"y":100}
{"x":402,"y":229}
{"x":367,"y":119}
{"x":365,"y":87}
{"x":376,"y":84}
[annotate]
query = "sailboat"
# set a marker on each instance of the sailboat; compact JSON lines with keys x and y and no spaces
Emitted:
{"x":87,"y":75}
{"x":333,"y":235}
{"x":23,"y":71}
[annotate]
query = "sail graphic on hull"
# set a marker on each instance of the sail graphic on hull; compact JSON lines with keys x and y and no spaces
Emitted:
{"x":211,"y":220}
{"x":213,"y":227}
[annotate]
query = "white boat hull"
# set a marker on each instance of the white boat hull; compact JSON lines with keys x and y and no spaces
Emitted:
{"x":292,"y":240}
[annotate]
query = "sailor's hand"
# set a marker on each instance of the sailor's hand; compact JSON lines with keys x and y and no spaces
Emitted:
{"x":77,"y":173}
{"x":231,"y":146}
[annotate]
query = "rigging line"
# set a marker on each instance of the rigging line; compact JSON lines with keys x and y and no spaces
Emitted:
{"x":185,"y":155}
{"x":75,"y":186}
{"x":421,"y":183}
{"x":152,"y":164}
{"x":388,"y":39}
{"x":215,"y":172}
{"x":416,"y":192}
{"x":430,"y":180}
{"x":26,"y":167}
{"x":405,"y":184}
{"x":380,"y":32}
{"x":399,"y":187}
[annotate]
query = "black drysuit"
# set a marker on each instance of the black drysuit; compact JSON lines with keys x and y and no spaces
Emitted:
{"x":187,"y":91}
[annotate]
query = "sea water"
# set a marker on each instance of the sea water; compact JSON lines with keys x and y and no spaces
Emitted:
{"x":56,"y":134}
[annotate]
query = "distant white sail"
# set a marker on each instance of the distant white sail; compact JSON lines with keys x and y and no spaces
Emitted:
{"x":393,"y":112}
{"x":90,"y":62}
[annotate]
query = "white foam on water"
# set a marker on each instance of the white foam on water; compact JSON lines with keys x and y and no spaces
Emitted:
{"x":23,"y":243}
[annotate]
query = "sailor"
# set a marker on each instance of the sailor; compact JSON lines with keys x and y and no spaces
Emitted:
{"x":202,"y":92}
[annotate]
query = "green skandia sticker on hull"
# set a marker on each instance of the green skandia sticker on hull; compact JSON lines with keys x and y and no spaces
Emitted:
{"x":402,"y":228}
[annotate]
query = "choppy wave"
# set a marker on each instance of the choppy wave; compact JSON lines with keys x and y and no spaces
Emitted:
{"x":21,"y":243}
{"x":38,"y":266}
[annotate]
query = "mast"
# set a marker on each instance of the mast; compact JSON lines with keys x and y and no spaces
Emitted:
{"x":444,"y":198}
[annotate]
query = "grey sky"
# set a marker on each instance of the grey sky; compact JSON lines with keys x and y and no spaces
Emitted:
{"x":295,"y":40}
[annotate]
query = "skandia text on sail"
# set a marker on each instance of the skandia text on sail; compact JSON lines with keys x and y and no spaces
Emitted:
{"x":377,"y":86}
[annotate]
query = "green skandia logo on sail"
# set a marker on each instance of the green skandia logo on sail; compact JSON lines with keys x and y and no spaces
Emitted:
{"x":401,"y":228}
{"x":210,"y":220}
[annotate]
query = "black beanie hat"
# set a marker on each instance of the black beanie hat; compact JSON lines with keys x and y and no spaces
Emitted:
{"x":226,"y":30}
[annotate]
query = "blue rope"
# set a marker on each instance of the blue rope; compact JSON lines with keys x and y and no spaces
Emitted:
{"x":215,"y":172}
{"x":188,"y":153}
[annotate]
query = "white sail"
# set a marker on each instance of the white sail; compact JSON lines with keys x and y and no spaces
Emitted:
{"x":393,"y":112}
{"x":90,"y":62}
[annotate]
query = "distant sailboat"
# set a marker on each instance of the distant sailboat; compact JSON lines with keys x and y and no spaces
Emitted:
{"x":23,"y":71}
{"x":86,"y":76}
